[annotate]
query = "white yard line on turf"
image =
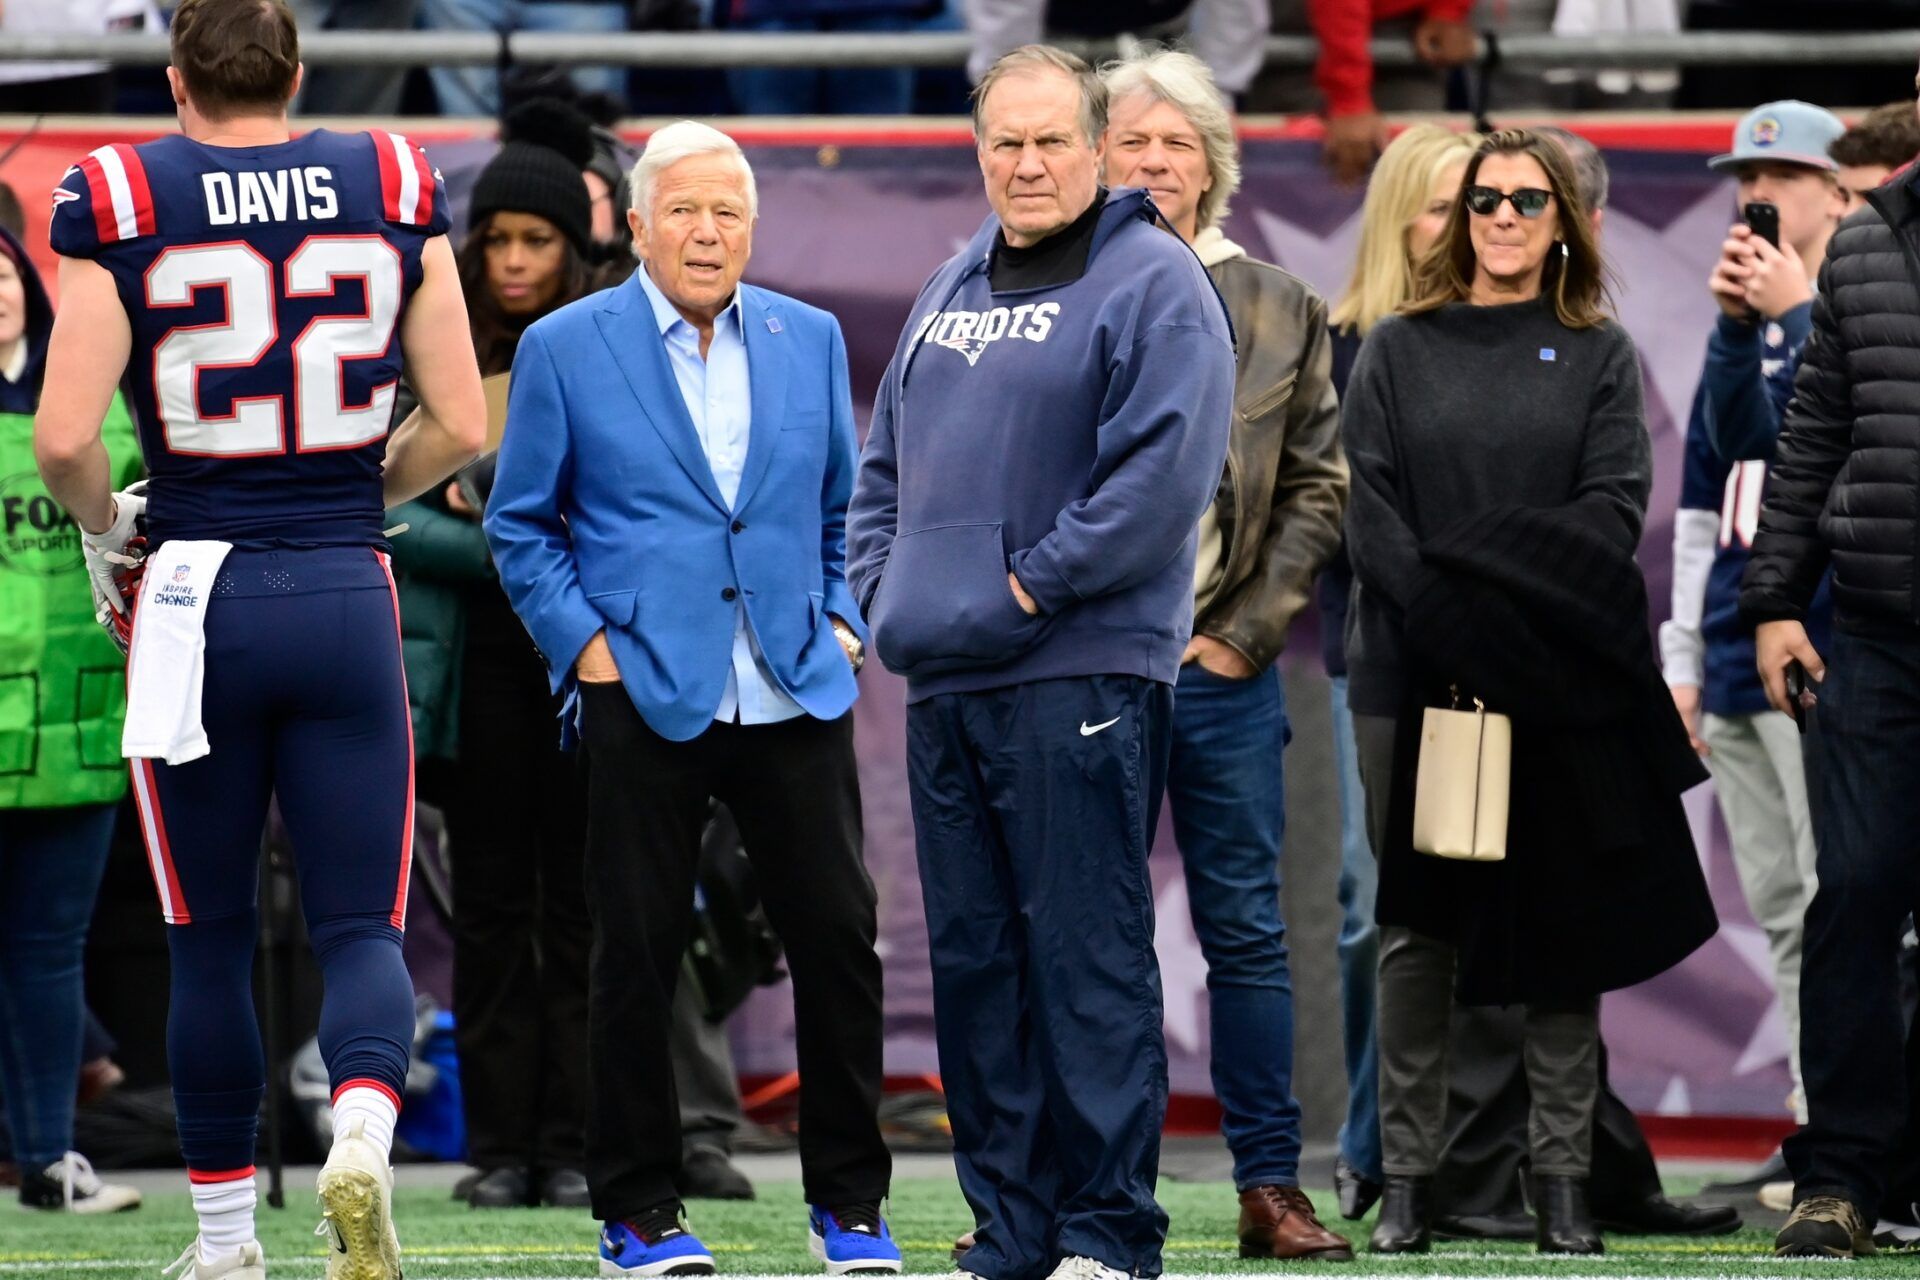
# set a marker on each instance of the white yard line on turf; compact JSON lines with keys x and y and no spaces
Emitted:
{"x":581,"y":1268}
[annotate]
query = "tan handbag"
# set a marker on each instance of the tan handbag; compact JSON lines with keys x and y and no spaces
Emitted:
{"x":1460,"y":791}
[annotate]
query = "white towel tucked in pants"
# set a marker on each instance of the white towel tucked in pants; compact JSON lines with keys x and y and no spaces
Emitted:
{"x":168,"y":661}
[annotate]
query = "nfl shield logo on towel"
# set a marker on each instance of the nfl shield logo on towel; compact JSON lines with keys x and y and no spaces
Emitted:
{"x":180,"y":572}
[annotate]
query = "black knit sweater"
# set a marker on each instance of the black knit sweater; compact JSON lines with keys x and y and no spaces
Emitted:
{"x":1455,"y":412}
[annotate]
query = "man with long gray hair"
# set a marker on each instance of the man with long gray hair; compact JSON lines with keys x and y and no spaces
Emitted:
{"x":684,"y":578}
{"x":1274,"y":521}
{"x":1043,"y":444}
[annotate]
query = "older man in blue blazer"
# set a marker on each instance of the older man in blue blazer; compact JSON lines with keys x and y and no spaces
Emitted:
{"x":669,"y":519}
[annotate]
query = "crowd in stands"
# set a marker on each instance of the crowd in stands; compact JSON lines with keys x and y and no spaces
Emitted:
{"x":1342,"y":84}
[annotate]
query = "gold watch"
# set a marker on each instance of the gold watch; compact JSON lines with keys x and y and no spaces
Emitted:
{"x":851,"y":643}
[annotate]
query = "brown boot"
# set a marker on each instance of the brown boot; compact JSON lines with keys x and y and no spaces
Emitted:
{"x":1279,"y":1222}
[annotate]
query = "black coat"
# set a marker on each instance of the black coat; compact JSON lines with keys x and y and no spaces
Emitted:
{"x":1845,"y":479}
{"x":1542,"y":613}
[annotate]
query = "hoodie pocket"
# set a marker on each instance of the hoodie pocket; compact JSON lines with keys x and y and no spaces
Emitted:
{"x":944,"y":603}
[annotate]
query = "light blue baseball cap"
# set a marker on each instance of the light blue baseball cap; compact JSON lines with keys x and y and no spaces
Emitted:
{"x":1786,"y":132}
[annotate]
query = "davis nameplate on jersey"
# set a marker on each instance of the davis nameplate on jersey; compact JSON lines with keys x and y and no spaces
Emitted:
{"x":971,"y":332}
{"x":271,"y":196}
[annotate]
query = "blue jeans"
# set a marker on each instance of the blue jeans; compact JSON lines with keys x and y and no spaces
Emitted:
{"x":808,"y":91}
{"x":1359,"y":950}
{"x":475,"y":91}
{"x":1033,"y":809}
{"x":1229,"y":811}
{"x":51,"y":861}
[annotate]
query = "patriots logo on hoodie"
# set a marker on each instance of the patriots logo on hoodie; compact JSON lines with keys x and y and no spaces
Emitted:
{"x":971,"y":348}
{"x":970,"y":332}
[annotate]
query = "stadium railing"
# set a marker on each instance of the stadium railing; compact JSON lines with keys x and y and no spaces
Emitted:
{"x":941,"y":49}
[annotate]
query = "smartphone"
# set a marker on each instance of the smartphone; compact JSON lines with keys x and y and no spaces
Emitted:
{"x":1764,"y":219}
{"x":1796,"y":687}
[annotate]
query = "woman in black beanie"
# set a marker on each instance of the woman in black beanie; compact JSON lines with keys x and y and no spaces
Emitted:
{"x":485,"y":725}
{"x":529,"y":239}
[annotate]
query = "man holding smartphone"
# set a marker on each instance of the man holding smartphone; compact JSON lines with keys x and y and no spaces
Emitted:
{"x":1790,"y":202}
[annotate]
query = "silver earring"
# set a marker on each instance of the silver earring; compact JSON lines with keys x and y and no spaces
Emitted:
{"x":1564,"y":252}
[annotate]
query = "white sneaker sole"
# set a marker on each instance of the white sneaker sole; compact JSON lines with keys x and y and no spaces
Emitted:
{"x":109,"y":1199}
{"x":354,"y":1200}
{"x":236,"y":1267}
{"x":858,"y":1266}
{"x":692,"y":1264}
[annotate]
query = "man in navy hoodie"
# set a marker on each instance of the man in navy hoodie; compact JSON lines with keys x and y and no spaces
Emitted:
{"x":1052,"y":426}
{"x":1765,"y":293}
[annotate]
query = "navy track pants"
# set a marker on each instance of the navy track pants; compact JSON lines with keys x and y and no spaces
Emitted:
{"x":1034,"y":809}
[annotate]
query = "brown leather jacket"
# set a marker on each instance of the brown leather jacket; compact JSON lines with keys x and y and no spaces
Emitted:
{"x":1285,"y":486}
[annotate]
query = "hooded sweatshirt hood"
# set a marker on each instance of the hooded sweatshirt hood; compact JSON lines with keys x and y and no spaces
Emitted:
{"x":1213,"y":248}
{"x":1123,"y":206}
{"x":1070,"y":434}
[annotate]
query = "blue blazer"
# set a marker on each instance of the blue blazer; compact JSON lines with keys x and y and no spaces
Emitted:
{"x":604,"y":513}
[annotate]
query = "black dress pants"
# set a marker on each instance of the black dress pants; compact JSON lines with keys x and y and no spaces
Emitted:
{"x":517,"y":825}
{"x":793,"y":789}
{"x":1853,"y":1035}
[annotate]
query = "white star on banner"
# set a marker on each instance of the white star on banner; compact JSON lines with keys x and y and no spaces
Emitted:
{"x":1183,"y":970}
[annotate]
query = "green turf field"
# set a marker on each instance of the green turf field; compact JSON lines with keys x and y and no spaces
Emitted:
{"x":447,"y":1241}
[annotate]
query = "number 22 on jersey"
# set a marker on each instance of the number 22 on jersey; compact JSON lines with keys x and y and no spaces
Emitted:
{"x":322,"y":420}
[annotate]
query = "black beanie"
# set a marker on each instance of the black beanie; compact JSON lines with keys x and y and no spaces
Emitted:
{"x":538,"y":171}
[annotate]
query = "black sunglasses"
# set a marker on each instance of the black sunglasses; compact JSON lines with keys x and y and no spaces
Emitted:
{"x":1528,"y":202}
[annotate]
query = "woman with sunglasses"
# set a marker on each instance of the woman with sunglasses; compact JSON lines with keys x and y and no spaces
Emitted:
{"x":1500,"y":386}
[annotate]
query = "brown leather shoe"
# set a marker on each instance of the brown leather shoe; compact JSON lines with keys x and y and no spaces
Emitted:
{"x":1279,"y":1222}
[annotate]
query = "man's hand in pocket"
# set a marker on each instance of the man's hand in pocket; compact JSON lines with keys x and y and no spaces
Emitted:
{"x":595,"y":664}
{"x":1021,"y":598}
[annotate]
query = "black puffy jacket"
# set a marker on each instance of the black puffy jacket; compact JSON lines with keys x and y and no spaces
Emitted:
{"x":1845,"y":482}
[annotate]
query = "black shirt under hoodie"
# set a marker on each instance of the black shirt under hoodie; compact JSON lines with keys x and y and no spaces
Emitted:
{"x":1060,"y":258}
{"x":1456,"y":412}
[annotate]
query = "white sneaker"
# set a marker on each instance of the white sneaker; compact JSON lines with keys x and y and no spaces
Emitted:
{"x":1077,"y":1268}
{"x":70,"y":1185}
{"x":245,"y":1263}
{"x":1777,"y":1196}
{"x":356,"y":1201}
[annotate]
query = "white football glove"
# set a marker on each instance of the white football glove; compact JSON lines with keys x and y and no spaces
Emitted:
{"x":112,"y":555}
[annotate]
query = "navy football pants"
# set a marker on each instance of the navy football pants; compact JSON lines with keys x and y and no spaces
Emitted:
{"x":1034,"y":808}
{"x":305,"y":700}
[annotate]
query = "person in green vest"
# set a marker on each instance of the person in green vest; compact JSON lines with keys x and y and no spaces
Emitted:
{"x":62,"y":696}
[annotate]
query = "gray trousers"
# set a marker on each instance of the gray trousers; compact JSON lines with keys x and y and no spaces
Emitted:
{"x":703,"y":1075}
{"x":1761,"y":781}
{"x":1562,"y":1041}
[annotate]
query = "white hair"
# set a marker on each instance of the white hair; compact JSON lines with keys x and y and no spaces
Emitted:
{"x":679,"y":141}
{"x":1183,"y":82}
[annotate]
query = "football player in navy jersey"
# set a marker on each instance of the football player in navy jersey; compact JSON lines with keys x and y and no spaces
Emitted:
{"x":260,"y":294}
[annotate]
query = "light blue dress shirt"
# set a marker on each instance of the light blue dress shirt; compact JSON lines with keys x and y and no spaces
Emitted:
{"x":720,"y":402}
